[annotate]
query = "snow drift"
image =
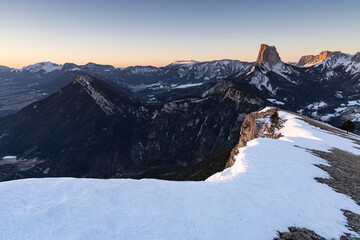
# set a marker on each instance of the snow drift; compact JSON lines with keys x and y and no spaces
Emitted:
{"x":270,"y":187}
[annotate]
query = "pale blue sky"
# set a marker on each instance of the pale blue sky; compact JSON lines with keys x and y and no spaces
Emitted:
{"x":157,"y":32}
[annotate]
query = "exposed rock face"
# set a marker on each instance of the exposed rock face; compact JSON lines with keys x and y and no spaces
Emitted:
{"x":310,"y":60}
{"x":263,"y":124}
{"x":356,"y":57}
{"x":269,"y":55}
{"x":300,"y":234}
{"x":333,"y":83}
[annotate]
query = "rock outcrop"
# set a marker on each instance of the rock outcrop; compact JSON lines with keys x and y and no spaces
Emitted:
{"x":262,"y":124}
{"x":268,"y":55}
{"x":299,"y":233}
{"x":356,"y":57}
{"x":310,"y":60}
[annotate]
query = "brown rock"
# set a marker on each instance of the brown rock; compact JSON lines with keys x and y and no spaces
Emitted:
{"x":256,"y":125}
{"x":299,"y":234}
{"x":314,"y":59}
{"x":268,"y":54}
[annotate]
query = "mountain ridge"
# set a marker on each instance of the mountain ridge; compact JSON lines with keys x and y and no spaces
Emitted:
{"x":309,"y":60}
{"x":93,"y":124}
{"x":187,"y":119}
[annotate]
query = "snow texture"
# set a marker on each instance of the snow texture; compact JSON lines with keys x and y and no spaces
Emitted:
{"x":74,"y":69}
{"x":9,"y":157}
{"x":341,"y":60}
{"x":188,"y":85}
{"x":316,"y":105}
{"x":275,"y":101}
{"x":282,"y":70}
{"x":45,"y":66}
{"x":260,"y":81}
{"x":187,"y":62}
{"x":270,"y":187}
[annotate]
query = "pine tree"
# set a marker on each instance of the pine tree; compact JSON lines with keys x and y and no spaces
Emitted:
{"x":348,"y":126}
{"x":274,"y":118}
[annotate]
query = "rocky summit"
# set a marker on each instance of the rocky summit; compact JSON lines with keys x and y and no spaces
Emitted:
{"x":268,"y":55}
{"x":310,"y":60}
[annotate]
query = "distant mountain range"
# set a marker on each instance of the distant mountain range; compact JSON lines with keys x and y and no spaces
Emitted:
{"x":20,"y":87}
{"x":100,"y":121}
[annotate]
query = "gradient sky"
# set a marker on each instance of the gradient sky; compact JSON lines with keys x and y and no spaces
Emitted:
{"x":158,"y":32}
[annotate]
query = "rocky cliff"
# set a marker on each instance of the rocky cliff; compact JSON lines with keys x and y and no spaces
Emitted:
{"x":310,"y":60}
{"x":268,"y":54}
{"x":262,"y":124}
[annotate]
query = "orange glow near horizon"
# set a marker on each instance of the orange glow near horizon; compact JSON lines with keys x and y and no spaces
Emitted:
{"x":128,"y":33}
{"x":122,"y":62}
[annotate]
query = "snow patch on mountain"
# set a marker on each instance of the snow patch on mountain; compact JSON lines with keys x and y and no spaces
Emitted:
{"x":106,"y":105}
{"x":73,"y":69}
{"x":338,"y":59}
{"x":216,"y":69}
{"x":188,"y":85}
{"x":260,"y":81}
{"x":353,"y":67}
{"x":142,"y":70}
{"x":275,"y":101}
{"x":351,"y":112}
{"x":283,"y":70}
{"x":42,"y":66}
{"x":316,"y":105}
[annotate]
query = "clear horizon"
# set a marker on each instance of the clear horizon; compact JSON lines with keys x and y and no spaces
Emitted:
{"x":127,"y":33}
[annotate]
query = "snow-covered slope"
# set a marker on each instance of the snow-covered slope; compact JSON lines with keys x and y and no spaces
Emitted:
{"x":270,"y":187}
{"x":42,"y":66}
{"x":335,"y":60}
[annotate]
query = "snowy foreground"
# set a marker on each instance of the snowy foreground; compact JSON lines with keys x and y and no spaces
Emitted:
{"x":270,"y":187}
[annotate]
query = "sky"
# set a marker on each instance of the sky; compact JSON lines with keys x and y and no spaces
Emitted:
{"x":157,"y":32}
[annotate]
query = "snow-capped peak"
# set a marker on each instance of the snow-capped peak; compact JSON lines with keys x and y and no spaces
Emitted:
{"x":45,"y":66}
{"x":181,"y":62}
{"x":270,"y":60}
